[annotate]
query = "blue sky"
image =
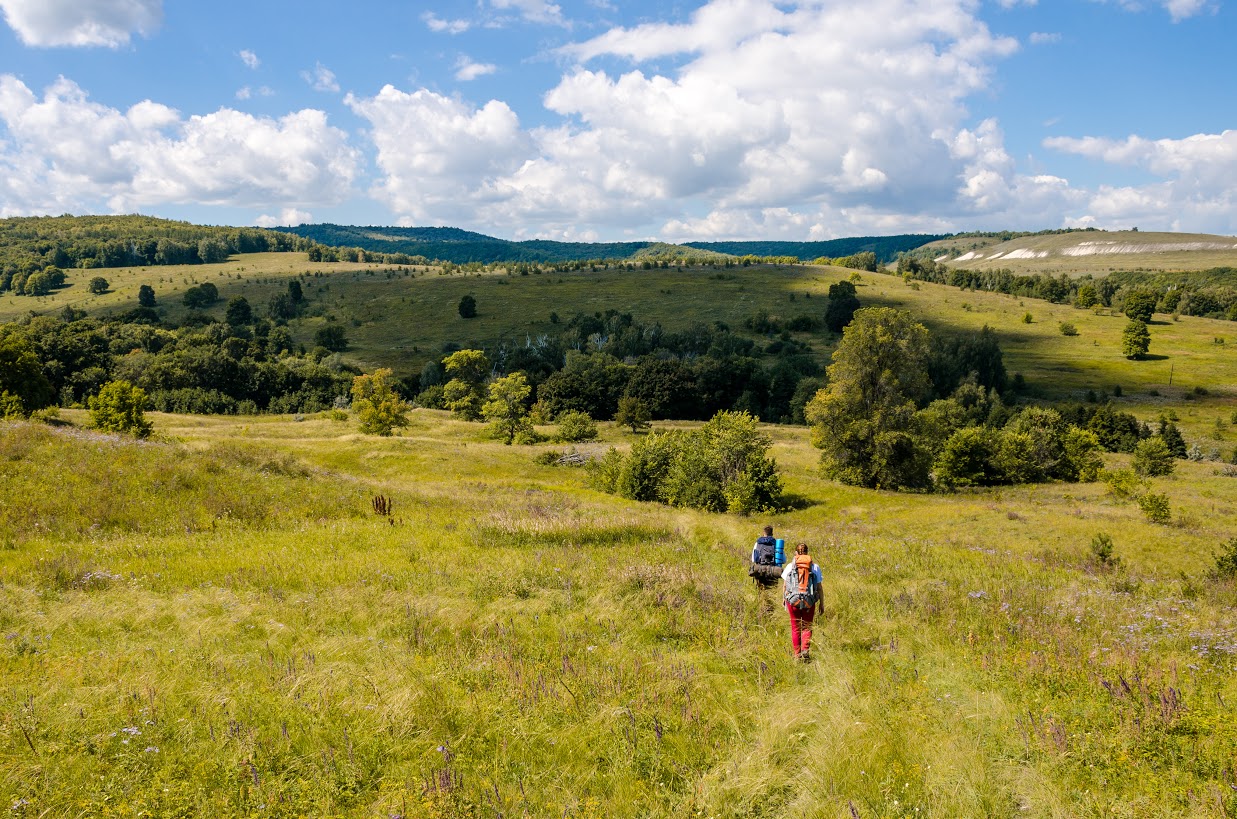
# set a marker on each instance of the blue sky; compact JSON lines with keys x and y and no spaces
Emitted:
{"x":730,"y":119}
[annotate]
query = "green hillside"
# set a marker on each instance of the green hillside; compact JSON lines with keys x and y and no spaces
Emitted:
{"x":1084,"y":251}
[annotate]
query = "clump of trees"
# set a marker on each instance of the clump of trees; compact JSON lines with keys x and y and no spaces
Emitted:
{"x":724,"y":466}
{"x":905,"y":411}
{"x":377,"y":405}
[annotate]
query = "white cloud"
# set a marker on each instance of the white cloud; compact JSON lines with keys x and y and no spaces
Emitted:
{"x":321,"y":79}
{"x":245,"y":92}
{"x":1178,"y":10}
{"x":440,"y":157}
{"x":249,"y":59}
{"x":1044,"y":38}
{"x":536,"y":11}
{"x":775,"y":111}
{"x":1198,"y":173}
{"x":437,"y":24}
{"x":288,"y":217}
{"x":466,"y":69}
{"x":65,"y":153}
{"x":1182,"y":9}
{"x":81,"y":22}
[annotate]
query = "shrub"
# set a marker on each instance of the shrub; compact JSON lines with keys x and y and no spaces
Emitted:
{"x":331,"y":337}
{"x":1135,"y":339}
{"x":1103,"y":553}
{"x":98,"y":285}
{"x":1027,"y":318}
{"x":1068,"y":329}
{"x":632,"y":412}
{"x":1152,"y":458}
{"x":121,"y":407}
{"x":468,"y":307}
{"x":1226,"y":561}
{"x":1122,"y":483}
{"x":575,"y":426}
{"x":1156,"y":507}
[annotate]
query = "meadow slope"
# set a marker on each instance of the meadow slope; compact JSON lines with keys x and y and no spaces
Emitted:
{"x":217,"y":623}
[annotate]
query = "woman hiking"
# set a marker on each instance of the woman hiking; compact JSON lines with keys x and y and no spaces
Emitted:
{"x":802,"y":580}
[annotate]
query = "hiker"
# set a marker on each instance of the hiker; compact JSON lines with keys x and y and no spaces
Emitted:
{"x":802,"y":580}
{"x":764,"y":553}
{"x":766,"y":569}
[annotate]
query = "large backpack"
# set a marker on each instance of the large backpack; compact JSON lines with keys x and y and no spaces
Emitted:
{"x":802,"y":589}
{"x":766,"y":551}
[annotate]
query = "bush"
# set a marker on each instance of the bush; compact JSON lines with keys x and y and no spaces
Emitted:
{"x":121,"y":407}
{"x":331,"y":337}
{"x":1068,"y":329}
{"x":1226,"y":561}
{"x":1122,"y":483}
{"x":1156,"y":507}
{"x":1102,"y":552}
{"x":575,"y":426}
{"x":1152,"y":458}
{"x":98,"y":285}
{"x":468,"y":307}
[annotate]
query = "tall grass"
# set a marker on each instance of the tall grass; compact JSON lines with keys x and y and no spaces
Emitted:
{"x":514,"y":643}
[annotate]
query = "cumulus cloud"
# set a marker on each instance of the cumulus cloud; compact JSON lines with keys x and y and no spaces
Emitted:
{"x":774,"y":117}
{"x":440,"y":157}
{"x":81,"y":22}
{"x":437,"y":24}
{"x":321,"y":79}
{"x":249,"y":59}
{"x":64,"y":152}
{"x":1199,"y":174}
{"x":466,"y":69}
{"x":1181,"y":9}
{"x":288,"y":217}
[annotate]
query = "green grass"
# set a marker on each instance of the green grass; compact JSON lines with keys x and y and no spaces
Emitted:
{"x":515,"y":643}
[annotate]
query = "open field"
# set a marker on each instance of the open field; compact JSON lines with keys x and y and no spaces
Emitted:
{"x":216,"y":623}
{"x":1094,"y":252}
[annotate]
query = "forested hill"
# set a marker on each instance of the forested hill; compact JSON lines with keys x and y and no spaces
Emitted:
{"x":36,"y":242}
{"x":461,"y":246}
{"x":886,"y":248}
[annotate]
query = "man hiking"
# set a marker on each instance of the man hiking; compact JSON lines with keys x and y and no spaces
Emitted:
{"x":766,"y":568}
{"x":802,"y":580}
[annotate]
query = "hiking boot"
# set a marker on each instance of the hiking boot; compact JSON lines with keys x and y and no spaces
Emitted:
{"x":804,"y":657}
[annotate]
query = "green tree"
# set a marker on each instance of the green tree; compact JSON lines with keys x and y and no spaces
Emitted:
{"x":468,"y":307}
{"x":37,"y":284}
{"x":1086,"y":297}
{"x":121,"y":407}
{"x":1135,"y":339}
{"x":1140,"y":305}
{"x":146,"y":296}
{"x":843,"y":302}
{"x":21,"y":376}
{"x":331,"y":337}
{"x":1152,"y":457}
{"x":864,"y":420}
{"x":632,"y":412}
{"x":98,"y":285}
{"x":377,"y":406}
{"x":239,"y":312}
{"x":507,"y":407}
{"x":464,"y":394}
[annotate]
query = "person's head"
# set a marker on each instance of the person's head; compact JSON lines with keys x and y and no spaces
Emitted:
{"x":768,"y":531}
{"x":801,"y":549}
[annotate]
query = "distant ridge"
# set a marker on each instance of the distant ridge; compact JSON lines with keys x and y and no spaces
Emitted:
{"x":461,"y":246}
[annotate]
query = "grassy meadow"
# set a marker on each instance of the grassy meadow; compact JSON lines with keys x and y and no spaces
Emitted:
{"x":216,"y":623}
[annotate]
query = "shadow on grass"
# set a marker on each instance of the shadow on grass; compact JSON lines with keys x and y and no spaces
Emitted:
{"x":792,"y":502}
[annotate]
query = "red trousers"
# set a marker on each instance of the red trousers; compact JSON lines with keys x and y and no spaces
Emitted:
{"x":801,"y":628}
